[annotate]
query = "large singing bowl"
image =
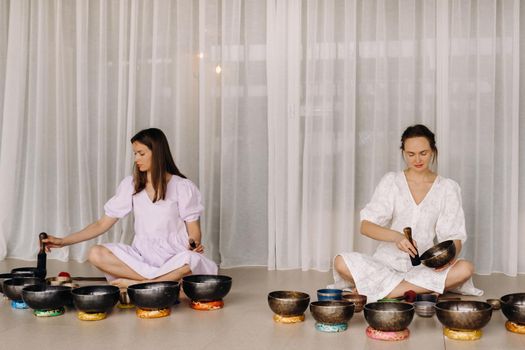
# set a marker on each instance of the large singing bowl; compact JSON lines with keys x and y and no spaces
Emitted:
{"x":513,"y":307}
{"x":154,"y":295}
{"x":44,"y":297}
{"x":13,"y":287}
{"x":30,"y":270}
{"x":389,"y":317}
{"x":95,"y":298}
{"x":332,"y":311}
{"x":439,"y":255}
{"x":463,"y":315}
{"x":288,"y":303}
{"x":8,"y":276}
{"x":206,"y":287}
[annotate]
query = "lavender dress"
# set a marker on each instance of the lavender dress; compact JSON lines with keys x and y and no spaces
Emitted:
{"x":160,"y":244}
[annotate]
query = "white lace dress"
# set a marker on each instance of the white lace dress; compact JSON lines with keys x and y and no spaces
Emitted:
{"x":440,"y":215}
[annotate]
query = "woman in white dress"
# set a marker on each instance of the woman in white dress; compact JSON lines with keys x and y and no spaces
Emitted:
{"x":166,"y":208}
{"x":417,"y":198}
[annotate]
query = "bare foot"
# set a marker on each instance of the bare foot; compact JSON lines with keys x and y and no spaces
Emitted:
{"x":123,"y":283}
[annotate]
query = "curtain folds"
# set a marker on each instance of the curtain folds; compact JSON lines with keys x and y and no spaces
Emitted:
{"x":285,"y":113}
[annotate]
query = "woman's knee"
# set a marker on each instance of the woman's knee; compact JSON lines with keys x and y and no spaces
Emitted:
{"x":464,"y":270}
{"x":97,"y":254}
{"x":341,"y":268}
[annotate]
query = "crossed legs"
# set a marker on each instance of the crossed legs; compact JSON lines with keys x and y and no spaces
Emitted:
{"x":461,"y":271}
{"x":103,"y":259}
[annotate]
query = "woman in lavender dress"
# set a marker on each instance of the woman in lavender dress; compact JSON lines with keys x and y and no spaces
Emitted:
{"x":166,"y":208}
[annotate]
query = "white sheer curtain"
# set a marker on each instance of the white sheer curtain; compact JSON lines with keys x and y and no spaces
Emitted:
{"x":285,"y":113}
{"x":80,"y":79}
{"x":346,"y":79}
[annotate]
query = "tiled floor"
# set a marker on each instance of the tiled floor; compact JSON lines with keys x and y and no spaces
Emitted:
{"x":245,"y":322}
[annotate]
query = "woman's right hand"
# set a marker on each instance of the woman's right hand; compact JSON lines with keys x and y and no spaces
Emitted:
{"x":404,"y":245}
{"x":53,"y":242}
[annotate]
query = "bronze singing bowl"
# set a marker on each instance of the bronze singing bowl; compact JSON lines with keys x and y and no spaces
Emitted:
{"x":332,"y":311}
{"x":439,"y":255}
{"x":513,"y":307}
{"x":358,"y":299}
{"x":389,"y":317}
{"x":464,"y":315}
{"x":288,"y":303}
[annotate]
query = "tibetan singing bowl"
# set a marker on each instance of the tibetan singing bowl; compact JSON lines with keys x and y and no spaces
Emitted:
{"x":288,"y":303}
{"x":513,"y":307}
{"x":332,"y":311}
{"x":439,"y":255}
{"x":389,"y":317}
{"x":154,"y":295}
{"x":464,"y":315}
{"x":206,"y":287}
{"x":424,"y":308}
{"x":44,"y":297}
{"x":13,"y":287}
{"x":8,"y":276}
{"x":95,"y":299}
{"x":358,"y":299}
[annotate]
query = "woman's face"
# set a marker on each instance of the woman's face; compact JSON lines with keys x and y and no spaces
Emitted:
{"x":417,"y":153}
{"x":142,"y":156}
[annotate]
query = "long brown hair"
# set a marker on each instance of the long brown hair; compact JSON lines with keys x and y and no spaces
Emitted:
{"x":161,"y":162}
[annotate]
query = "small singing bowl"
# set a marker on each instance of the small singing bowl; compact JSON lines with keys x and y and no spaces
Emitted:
{"x":439,"y":255}
{"x":358,"y":299}
{"x":13,"y":287}
{"x":329,"y":294}
{"x":8,"y":276}
{"x":288,"y":303}
{"x":332,"y":311}
{"x":495,"y":303}
{"x":427,"y":297}
{"x":513,"y":307}
{"x":465,"y":315}
{"x":424,"y":308}
{"x":57,"y":281}
{"x":389,"y":317}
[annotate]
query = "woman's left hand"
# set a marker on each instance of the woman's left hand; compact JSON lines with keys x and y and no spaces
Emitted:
{"x":198,"y":247}
{"x":444,"y":267}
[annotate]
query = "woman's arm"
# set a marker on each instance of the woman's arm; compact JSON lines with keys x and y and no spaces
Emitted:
{"x":89,"y":232}
{"x":194,"y":233}
{"x":381,"y":233}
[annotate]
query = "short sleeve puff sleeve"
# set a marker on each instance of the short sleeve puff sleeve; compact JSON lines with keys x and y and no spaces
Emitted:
{"x":189,"y":199}
{"x":121,"y":203}
{"x":451,"y":221}
{"x":380,"y":209}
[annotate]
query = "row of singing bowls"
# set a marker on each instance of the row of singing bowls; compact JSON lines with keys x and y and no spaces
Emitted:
{"x":288,"y":303}
{"x":44,"y":297}
{"x":95,"y":298}
{"x":463,"y":314}
{"x":206,"y":288}
{"x":389,"y":317}
{"x":439,"y":255}
{"x":154,"y":295}
{"x":513,"y":307}
{"x":332,"y":311}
